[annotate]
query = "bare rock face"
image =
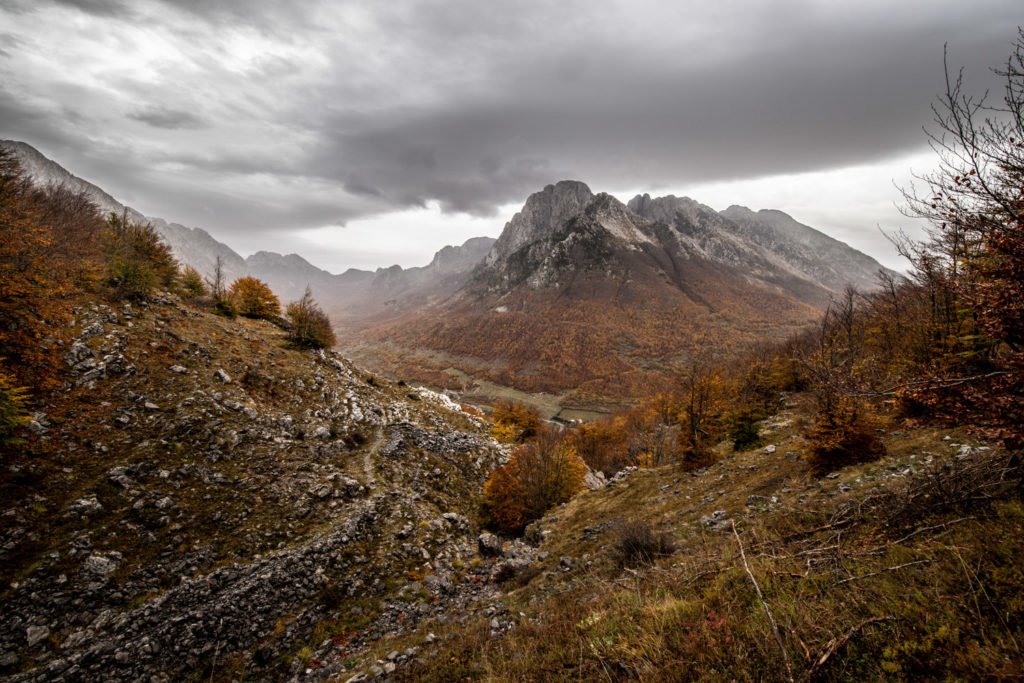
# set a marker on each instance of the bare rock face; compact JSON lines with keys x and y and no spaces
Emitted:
{"x":543,"y":212}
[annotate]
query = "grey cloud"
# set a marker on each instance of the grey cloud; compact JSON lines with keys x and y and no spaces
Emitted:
{"x":171,"y":119}
{"x":818,"y":101}
{"x":107,"y":8}
{"x":28,"y":123}
{"x":399,"y":104}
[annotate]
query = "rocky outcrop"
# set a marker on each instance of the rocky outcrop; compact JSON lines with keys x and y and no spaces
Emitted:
{"x":543,"y":213}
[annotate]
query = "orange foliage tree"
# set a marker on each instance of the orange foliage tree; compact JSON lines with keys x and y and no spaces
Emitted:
{"x":253,"y":298}
{"x":515,"y":422}
{"x":539,"y":475}
{"x":48,"y":247}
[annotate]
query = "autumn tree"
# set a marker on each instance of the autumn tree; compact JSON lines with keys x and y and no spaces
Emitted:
{"x":540,"y":474}
{"x":603,"y":444}
{"x":310,"y":326}
{"x":138,"y":260}
{"x":700,"y":394}
{"x":973,"y":258}
{"x":515,"y":422}
{"x":192,"y":284}
{"x":76,"y":228}
{"x":252,"y":298}
{"x":48,"y":248}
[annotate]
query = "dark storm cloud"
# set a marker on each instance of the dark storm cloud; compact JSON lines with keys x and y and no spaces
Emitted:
{"x":812,"y":97}
{"x":21,"y":121}
{"x":163,"y":117}
{"x":107,"y":8}
{"x":320,"y":112}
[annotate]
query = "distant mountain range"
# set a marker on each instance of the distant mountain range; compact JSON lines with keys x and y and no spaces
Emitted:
{"x":584,"y":294}
{"x":580,"y":295}
{"x":352,"y":293}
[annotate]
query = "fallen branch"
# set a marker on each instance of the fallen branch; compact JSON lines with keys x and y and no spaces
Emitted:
{"x":767,"y":610}
{"x":881,"y":571}
{"x":930,"y":383}
{"x":833,"y":645}
{"x":930,"y":528}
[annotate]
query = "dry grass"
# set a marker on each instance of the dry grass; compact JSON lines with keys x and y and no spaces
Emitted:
{"x":909,"y":575}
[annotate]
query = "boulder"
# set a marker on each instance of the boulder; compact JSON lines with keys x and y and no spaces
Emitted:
{"x":489,"y":545}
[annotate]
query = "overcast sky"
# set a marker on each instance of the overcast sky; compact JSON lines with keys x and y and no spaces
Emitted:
{"x":370,"y":133}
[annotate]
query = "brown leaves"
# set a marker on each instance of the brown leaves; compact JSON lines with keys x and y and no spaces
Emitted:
{"x":253,"y":298}
{"x":539,"y":475}
{"x":48,"y":248}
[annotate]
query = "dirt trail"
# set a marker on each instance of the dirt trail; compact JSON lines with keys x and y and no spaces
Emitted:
{"x":369,"y":474}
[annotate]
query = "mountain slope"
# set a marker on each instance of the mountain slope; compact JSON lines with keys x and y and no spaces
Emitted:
{"x":583,"y":294}
{"x":808,"y":252}
{"x":202,"y":499}
{"x":872,"y":574}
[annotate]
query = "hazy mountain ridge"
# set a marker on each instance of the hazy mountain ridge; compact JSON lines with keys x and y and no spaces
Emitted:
{"x":354,"y":291}
{"x":807,"y":251}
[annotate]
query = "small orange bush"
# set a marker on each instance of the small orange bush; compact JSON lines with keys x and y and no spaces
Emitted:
{"x":842,"y":435}
{"x":252,"y":298}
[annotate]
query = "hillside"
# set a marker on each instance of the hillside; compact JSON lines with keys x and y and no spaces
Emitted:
{"x":201,"y":502}
{"x":583,"y":294}
{"x":902,"y":569}
{"x":198,"y":498}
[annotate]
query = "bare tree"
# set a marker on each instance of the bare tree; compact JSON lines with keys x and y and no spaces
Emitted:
{"x":218,"y":284}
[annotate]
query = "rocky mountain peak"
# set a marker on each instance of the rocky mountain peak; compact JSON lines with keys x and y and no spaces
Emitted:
{"x":543,"y":212}
{"x":665,"y":209}
{"x":616,"y":218}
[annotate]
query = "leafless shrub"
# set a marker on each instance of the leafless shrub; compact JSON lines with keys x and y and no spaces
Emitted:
{"x":636,"y":543}
{"x":961,"y":485}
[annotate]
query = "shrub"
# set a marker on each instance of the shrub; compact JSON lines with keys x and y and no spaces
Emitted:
{"x":842,"y":434}
{"x":310,"y":326}
{"x":138,"y":261}
{"x":12,"y":407}
{"x":515,"y":422}
{"x":538,"y":476}
{"x":192,"y":284}
{"x":744,"y":428}
{"x":252,"y":298}
{"x":636,"y":543}
{"x":225,"y":307}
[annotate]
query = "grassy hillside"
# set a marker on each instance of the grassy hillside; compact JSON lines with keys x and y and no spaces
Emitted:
{"x":905,"y":568}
